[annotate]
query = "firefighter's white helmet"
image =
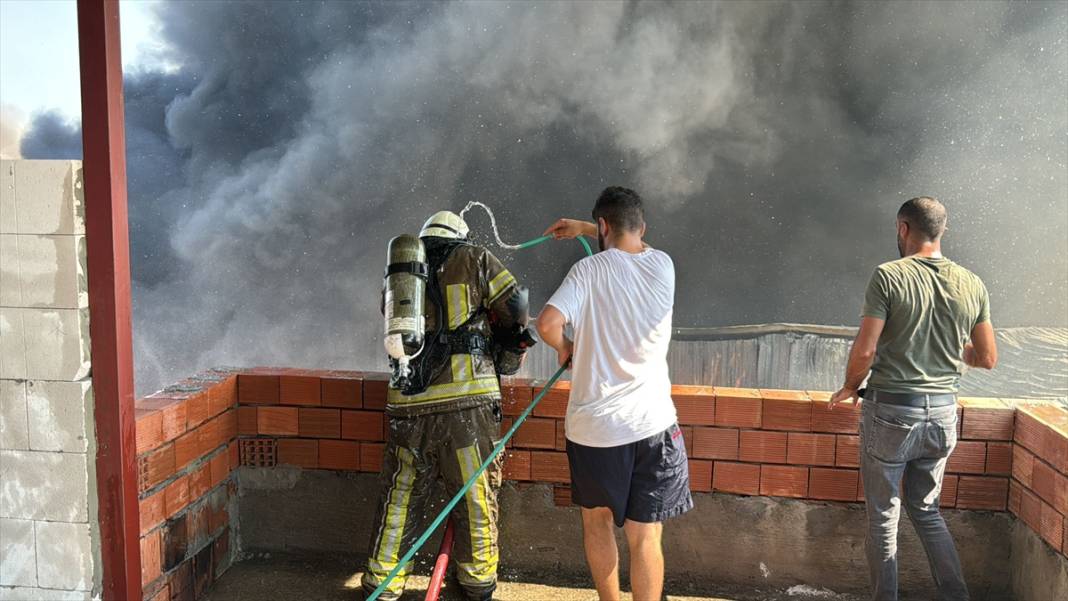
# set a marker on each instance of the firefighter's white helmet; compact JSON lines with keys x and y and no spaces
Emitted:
{"x":444,"y":224}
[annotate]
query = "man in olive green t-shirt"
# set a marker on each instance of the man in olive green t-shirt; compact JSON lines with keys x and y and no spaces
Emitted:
{"x":930,"y":305}
{"x":925,"y":318}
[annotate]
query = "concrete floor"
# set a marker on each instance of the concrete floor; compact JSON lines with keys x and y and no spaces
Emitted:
{"x":274,"y":576}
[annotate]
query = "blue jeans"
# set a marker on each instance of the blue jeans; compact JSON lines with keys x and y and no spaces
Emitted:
{"x":907,"y":447}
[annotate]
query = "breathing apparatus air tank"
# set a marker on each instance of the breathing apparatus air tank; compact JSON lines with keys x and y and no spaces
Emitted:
{"x":405,"y":291}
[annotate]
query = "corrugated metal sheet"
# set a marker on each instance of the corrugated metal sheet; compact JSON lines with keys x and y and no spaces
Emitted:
{"x":1033,"y":361}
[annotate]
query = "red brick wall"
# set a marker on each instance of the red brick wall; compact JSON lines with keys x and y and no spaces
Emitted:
{"x":758,"y":442}
{"x":186,"y":449}
{"x":741,"y":441}
{"x":311,"y":419}
{"x":1038,"y":493}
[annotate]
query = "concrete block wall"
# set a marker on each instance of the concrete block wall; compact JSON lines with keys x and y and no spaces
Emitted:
{"x":49,"y":546}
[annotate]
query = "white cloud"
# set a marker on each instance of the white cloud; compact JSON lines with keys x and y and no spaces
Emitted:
{"x":12,"y":125}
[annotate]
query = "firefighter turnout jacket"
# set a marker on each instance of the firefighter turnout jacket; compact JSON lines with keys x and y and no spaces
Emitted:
{"x":475,"y":289}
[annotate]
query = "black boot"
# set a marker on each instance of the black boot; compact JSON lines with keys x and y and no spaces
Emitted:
{"x":365,"y":593}
{"x":482,"y":594}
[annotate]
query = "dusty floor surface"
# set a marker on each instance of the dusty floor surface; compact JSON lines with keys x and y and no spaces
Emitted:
{"x":276,"y":577}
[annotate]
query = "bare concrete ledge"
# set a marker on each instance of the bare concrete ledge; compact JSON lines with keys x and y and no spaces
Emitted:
{"x":734,"y":541}
{"x":1038,"y":573}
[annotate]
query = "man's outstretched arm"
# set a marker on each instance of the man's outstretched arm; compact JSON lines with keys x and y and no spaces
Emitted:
{"x":551,"y":324}
{"x":565,"y":229}
{"x":861,"y":356}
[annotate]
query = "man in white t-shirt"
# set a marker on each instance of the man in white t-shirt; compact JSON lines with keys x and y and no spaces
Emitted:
{"x":625,"y":449}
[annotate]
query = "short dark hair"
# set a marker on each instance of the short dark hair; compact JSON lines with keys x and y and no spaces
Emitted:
{"x":925,"y":214}
{"x":621,"y":208}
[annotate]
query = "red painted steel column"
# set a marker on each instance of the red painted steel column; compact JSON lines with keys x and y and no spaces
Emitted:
{"x":108,"y":257}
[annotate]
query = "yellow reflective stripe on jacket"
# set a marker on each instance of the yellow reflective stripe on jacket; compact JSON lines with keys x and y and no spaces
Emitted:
{"x":459,"y":307}
{"x":483,"y":567}
{"x":463,"y":368}
{"x":499,"y":284}
{"x":441,"y":392}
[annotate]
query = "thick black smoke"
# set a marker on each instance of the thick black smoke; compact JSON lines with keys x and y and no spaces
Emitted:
{"x":52,"y":137}
{"x":773,"y":143}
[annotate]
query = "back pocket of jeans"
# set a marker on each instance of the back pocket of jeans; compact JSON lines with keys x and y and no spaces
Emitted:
{"x":888,"y":441}
{"x":947,"y":436}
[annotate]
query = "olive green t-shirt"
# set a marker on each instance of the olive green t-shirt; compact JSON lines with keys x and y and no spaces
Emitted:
{"x":930,"y":307}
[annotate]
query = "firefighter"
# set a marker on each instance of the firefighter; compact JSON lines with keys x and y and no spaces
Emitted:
{"x":444,"y":399}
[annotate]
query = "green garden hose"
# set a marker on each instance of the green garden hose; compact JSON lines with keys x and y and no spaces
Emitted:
{"x":537,"y":241}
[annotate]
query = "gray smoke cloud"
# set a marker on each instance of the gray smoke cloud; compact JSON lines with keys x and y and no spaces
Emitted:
{"x":773,"y":143}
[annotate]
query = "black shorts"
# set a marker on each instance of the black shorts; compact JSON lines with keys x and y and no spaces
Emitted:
{"x":645,"y":481}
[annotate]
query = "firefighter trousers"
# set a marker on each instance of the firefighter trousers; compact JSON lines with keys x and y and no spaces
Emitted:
{"x":451,"y":445}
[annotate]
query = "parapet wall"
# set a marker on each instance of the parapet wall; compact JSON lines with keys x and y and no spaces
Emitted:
{"x":787,"y":447}
{"x":774,"y":443}
{"x":1038,"y":494}
{"x":187,"y":449}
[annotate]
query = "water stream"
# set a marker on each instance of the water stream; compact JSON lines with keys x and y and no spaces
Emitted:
{"x":493,"y":224}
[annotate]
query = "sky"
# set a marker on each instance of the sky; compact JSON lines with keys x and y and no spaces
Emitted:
{"x":39,"y":56}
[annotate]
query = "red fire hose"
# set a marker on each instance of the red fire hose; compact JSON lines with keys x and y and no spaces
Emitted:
{"x":438,"y":577}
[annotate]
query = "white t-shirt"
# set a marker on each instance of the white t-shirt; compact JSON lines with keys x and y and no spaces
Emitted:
{"x":619,"y":305}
